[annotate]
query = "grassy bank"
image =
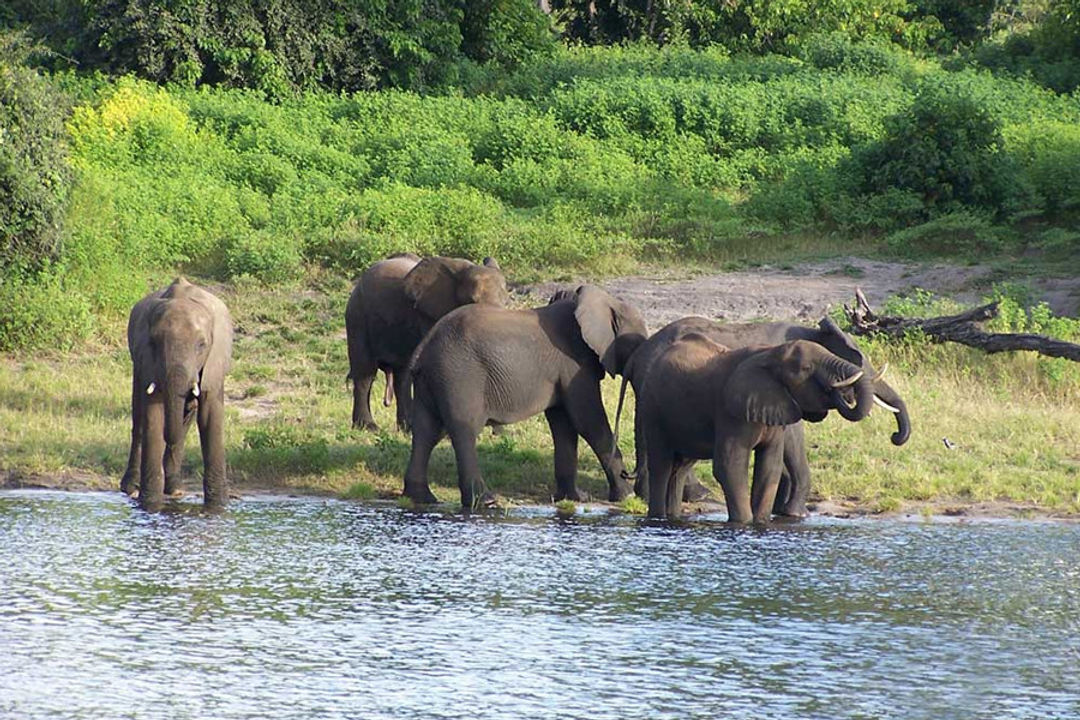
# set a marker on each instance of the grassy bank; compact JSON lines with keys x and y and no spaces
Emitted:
{"x":1014,"y":420}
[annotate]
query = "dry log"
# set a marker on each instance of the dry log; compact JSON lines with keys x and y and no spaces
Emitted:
{"x":959,"y":328}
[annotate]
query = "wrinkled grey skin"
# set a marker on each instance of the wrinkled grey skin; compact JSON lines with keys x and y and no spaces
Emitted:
{"x":702,"y":400}
{"x":180,"y":340}
{"x":482,"y":365}
{"x":795,"y":481}
{"x":394,"y":304}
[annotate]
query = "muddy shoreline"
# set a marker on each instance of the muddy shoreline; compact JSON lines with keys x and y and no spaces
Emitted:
{"x":951,"y":509}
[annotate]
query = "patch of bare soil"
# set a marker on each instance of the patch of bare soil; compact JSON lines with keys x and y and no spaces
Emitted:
{"x":68,"y":480}
{"x":805,"y":292}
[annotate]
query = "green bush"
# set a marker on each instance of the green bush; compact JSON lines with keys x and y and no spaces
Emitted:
{"x":41,"y":311}
{"x":947,"y":147}
{"x":838,"y":51}
{"x":34,"y":172}
{"x":957,"y":233}
{"x":1049,"y":152}
{"x":263,"y":256}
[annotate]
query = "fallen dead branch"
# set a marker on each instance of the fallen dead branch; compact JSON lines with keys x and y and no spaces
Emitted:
{"x":960,"y":328}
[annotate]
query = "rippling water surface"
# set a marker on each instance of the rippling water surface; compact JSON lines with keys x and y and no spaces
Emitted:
{"x":311,"y":608}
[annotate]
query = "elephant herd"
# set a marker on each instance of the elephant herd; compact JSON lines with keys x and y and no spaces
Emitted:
{"x":458,"y":359}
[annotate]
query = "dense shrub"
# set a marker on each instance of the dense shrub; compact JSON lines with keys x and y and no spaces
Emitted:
{"x":280,"y":46}
{"x":34,"y":173}
{"x":958,"y":233}
{"x":947,"y":147}
{"x":567,"y":160}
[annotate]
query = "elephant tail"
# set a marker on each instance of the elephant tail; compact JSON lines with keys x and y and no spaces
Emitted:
{"x":618,"y":419}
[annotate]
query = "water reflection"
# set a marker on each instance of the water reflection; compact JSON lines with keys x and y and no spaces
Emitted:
{"x":316,"y":608}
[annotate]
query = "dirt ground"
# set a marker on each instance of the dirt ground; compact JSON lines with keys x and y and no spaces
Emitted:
{"x":804,"y":292}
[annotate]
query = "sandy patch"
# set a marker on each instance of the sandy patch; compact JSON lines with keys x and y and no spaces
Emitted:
{"x":805,"y":292}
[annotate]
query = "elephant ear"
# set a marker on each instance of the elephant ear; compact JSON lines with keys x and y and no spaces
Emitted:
{"x":432,"y":285}
{"x":565,"y":294}
{"x":840,"y":343}
{"x":219,"y":361}
{"x":610,"y":327}
{"x":754,"y":392}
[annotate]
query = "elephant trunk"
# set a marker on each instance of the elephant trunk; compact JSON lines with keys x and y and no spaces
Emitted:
{"x":178,"y":384}
{"x":842,"y":372}
{"x":885,"y":394}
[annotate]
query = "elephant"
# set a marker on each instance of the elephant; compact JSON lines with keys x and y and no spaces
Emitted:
{"x":795,"y":481}
{"x":180,"y":340}
{"x":482,"y":365}
{"x":393,"y":305}
{"x":703,"y":400}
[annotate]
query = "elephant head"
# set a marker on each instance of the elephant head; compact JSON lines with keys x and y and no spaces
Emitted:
{"x":184,"y":349}
{"x":611,"y":328}
{"x":840,"y":343}
{"x":798,"y":380}
{"x":437,"y":285}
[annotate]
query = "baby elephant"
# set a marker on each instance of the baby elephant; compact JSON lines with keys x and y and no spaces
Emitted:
{"x":180,"y":340}
{"x":394,"y":304}
{"x":701,"y":400}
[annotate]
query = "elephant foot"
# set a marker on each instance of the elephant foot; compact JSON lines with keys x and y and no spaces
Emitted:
{"x":421,"y":495}
{"x":368,"y":425}
{"x":695,"y":492}
{"x":792,"y":511}
{"x":174,"y":494}
{"x":573,"y":494}
{"x":619,"y":491}
{"x":129,"y":485}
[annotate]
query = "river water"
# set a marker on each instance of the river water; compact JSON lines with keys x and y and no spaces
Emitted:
{"x":315,"y":608}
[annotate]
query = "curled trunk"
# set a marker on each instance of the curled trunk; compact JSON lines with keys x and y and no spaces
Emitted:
{"x":903,"y":423}
{"x":840,"y":372}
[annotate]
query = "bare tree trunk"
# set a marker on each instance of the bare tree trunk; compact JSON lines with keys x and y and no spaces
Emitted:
{"x":959,"y":328}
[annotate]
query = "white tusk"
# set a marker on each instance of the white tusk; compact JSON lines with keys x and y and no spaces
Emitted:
{"x":195,"y":390}
{"x":887,"y":406}
{"x":881,"y":372}
{"x":150,"y":388}
{"x":850,"y":381}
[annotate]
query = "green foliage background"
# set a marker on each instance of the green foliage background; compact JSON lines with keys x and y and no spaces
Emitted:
{"x":258,"y":139}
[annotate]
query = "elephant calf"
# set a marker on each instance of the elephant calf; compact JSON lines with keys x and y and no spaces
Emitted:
{"x":180,"y":340}
{"x":702,"y":400}
{"x":484,"y":365}
{"x":392,"y":307}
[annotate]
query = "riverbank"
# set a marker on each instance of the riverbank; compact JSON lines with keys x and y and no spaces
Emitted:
{"x":1012,"y":421}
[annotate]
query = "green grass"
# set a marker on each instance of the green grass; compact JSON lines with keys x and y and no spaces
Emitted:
{"x":1014,"y":421}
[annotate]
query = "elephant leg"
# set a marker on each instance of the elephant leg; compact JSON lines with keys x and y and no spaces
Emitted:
{"x":151,"y":475}
{"x":211,"y":415}
{"x":797,"y":469}
{"x":362,"y":370}
{"x":404,"y":399}
{"x":661,"y":464}
{"x":768,"y":462}
{"x":641,"y":453}
{"x":731,"y":463}
{"x":693,"y":490}
{"x":174,"y":457}
{"x":565,"y":439}
{"x":427,"y":431}
{"x":473,"y":491}
{"x":676,"y":486}
{"x":585,"y":407}
{"x":129,"y":484}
